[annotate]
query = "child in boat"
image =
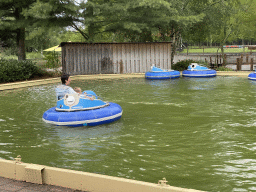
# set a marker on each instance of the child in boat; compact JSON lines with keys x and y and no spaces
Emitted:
{"x":64,"y":88}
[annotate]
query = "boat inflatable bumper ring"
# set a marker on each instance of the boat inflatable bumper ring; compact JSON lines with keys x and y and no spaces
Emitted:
{"x":203,"y":73}
{"x":162,"y":74}
{"x":93,"y":117}
{"x":252,"y":76}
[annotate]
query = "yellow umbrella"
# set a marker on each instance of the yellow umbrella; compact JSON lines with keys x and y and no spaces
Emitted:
{"x":55,"y":48}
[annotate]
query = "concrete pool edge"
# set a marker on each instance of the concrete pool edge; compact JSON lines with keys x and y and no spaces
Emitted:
{"x":23,"y":84}
{"x":234,"y":73}
{"x":78,"y":180}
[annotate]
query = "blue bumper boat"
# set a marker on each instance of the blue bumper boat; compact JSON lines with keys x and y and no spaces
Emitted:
{"x":252,"y":76}
{"x":158,"y":73}
{"x":195,"y":70}
{"x":78,"y":110}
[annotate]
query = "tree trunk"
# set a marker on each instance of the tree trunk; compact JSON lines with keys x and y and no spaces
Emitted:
{"x":21,"y":44}
{"x":20,"y":36}
{"x":173,"y":47}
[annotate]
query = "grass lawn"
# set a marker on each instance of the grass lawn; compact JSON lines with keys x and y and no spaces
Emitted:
{"x":216,"y":50}
{"x":36,"y":57}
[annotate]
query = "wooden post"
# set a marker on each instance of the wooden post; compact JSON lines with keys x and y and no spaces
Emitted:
{"x":251,"y":64}
{"x":241,"y":62}
{"x":121,"y":67}
{"x":211,"y":65}
{"x":225,"y":60}
{"x":247,"y":58}
{"x":238,"y":64}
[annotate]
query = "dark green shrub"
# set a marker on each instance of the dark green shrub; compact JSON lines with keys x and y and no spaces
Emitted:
{"x":39,"y":73}
{"x":183,"y":65}
{"x":13,"y":70}
{"x":12,"y":51}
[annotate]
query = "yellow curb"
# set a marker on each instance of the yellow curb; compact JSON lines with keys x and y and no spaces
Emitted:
{"x":234,"y":73}
{"x":79,"y":180}
{"x":23,"y":84}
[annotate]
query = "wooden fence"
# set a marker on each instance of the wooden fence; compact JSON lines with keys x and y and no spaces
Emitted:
{"x":241,"y":61}
{"x":96,"y":58}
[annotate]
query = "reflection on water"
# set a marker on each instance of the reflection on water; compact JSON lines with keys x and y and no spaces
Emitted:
{"x":198,"y":133}
{"x":200,"y":83}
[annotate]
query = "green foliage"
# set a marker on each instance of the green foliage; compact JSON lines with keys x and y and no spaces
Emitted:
{"x":20,"y":17}
{"x":34,"y":55}
{"x":216,"y":50}
{"x":224,"y":69}
{"x":135,"y":20}
{"x":9,"y":53}
{"x":13,"y":70}
{"x":183,"y":65}
{"x":202,"y":63}
{"x":40,"y":38}
{"x":72,"y":36}
{"x":52,"y":60}
{"x":224,"y":21}
{"x":43,"y":21}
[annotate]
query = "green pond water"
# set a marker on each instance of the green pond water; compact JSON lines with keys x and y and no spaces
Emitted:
{"x":197,"y":133}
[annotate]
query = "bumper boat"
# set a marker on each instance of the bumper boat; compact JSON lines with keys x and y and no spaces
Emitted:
{"x":158,"y":73}
{"x":75,"y":110}
{"x":252,"y":76}
{"x":195,"y":70}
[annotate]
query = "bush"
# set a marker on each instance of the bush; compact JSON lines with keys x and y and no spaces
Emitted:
{"x":13,"y":70}
{"x":11,"y":51}
{"x":52,"y":60}
{"x":183,"y":65}
{"x":224,"y":69}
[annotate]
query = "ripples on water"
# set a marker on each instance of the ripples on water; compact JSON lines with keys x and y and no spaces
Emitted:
{"x":198,"y":133}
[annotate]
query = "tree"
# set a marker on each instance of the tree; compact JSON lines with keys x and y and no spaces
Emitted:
{"x":224,"y":21}
{"x":40,"y":38}
{"x":137,"y":21}
{"x":13,"y":22}
{"x":18,"y":15}
{"x":232,"y":18}
{"x":245,"y":27}
{"x":186,"y":15}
